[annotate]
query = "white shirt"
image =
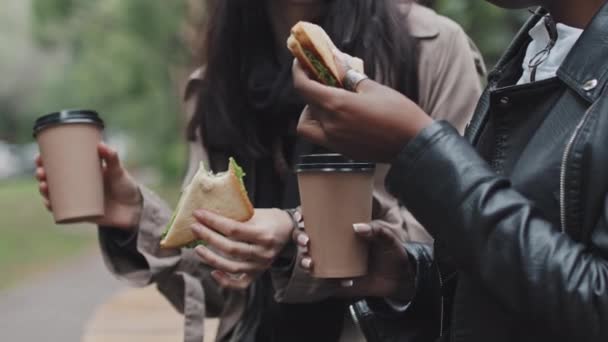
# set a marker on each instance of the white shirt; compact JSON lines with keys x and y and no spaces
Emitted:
{"x":566,"y":38}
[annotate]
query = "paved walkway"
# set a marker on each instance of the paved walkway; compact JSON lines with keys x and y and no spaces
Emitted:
{"x":55,"y":306}
{"x":139,"y":315}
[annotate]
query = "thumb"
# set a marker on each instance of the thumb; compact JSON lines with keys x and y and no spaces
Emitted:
{"x":364,"y":230}
{"x":373,"y":232}
{"x":342,"y":62}
{"x":311,"y":129}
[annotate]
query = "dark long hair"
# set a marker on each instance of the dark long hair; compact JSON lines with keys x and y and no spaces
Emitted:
{"x":374,"y":30}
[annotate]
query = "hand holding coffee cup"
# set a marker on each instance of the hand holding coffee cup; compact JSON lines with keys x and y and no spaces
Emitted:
{"x":390,"y":273}
{"x":80,"y":178}
{"x":335,"y":193}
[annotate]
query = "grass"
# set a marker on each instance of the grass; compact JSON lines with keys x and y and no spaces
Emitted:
{"x":30,"y":242}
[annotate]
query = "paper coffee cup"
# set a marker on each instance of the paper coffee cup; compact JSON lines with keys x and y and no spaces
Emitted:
{"x":68,"y":143}
{"x":335,"y":193}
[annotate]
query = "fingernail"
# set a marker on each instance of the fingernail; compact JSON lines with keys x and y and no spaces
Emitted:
{"x":200,"y":250}
{"x":347,"y":283}
{"x":362,"y":228}
{"x":303,"y":240}
{"x":306,"y":263}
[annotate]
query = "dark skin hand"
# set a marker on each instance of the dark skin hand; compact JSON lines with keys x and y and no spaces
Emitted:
{"x":373,"y":123}
{"x":390,"y":273}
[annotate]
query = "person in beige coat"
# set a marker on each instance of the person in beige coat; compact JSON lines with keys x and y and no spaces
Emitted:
{"x":248,"y":279}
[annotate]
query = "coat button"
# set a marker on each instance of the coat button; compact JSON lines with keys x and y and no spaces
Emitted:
{"x":505,"y":100}
{"x":590,"y":85}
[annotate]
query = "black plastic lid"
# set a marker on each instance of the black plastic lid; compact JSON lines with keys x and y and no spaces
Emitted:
{"x":68,"y":117}
{"x":332,"y":163}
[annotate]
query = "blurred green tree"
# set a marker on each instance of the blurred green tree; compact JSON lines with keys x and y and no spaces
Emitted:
{"x":491,"y":28}
{"x":128,"y":60}
{"x":124,"y":59}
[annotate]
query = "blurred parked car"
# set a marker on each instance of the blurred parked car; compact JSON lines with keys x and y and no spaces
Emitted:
{"x":17,"y":160}
{"x":10,"y":162}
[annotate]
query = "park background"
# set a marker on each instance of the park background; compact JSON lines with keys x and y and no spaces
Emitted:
{"x":128,"y":59}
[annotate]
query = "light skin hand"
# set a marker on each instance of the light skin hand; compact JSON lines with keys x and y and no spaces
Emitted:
{"x":123,"y":200}
{"x":373,"y":123}
{"x":240,"y":251}
{"x":390,"y":272}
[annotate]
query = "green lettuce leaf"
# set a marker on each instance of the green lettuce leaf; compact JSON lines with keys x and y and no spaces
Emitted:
{"x":240,"y":174}
{"x":237,"y":169}
{"x":324,"y":73}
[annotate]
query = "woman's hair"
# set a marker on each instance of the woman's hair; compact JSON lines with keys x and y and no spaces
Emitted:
{"x":373,"y":30}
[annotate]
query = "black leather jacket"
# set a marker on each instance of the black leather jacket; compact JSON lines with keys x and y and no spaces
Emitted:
{"x":518,"y":208}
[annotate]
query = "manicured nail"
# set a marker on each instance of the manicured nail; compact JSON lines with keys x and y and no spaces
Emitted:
{"x":362,"y":228}
{"x":347,"y":283}
{"x":303,"y":240}
{"x":200,"y":250}
{"x":306,"y":263}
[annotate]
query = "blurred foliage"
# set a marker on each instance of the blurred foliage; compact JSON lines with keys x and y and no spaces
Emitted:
{"x":128,"y":60}
{"x":122,"y":62}
{"x":491,"y":28}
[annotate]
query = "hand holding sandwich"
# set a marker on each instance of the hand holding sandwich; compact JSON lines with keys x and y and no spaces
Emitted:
{"x":370,"y":122}
{"x":240,"y":251}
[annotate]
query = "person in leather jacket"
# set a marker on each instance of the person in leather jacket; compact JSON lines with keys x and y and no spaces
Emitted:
{"x":518,"y":208}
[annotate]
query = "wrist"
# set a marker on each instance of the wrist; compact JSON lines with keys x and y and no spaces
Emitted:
{"x":405,"y":287}
{"x":128,"y":216}
{"x":411,"y":128}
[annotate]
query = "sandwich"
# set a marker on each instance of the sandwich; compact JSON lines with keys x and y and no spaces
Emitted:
{"x":222,"y":193}
{"x":313,"y":49}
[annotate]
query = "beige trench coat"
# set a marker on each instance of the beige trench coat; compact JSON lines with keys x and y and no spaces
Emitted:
{"x":449,"y":87}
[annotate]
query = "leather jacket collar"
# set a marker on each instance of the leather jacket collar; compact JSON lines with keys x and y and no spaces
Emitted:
{"x":580,"y":69}
{"x":579,"y":72}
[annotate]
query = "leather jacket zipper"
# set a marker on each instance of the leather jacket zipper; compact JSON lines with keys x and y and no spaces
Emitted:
{"x":563,"y":170}
{"x":441,"y":318}
{"x":355,"y":317}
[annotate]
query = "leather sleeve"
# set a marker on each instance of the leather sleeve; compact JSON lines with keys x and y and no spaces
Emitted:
{"x":497,"y":237}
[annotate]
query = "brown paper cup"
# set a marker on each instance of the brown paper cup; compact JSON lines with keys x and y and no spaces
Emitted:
{"x":335,"y":193}
{"x":68,"y":147}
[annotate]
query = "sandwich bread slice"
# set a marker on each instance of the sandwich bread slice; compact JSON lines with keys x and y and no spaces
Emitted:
{"x":223,"y":193}
{"x":313,"y":48}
